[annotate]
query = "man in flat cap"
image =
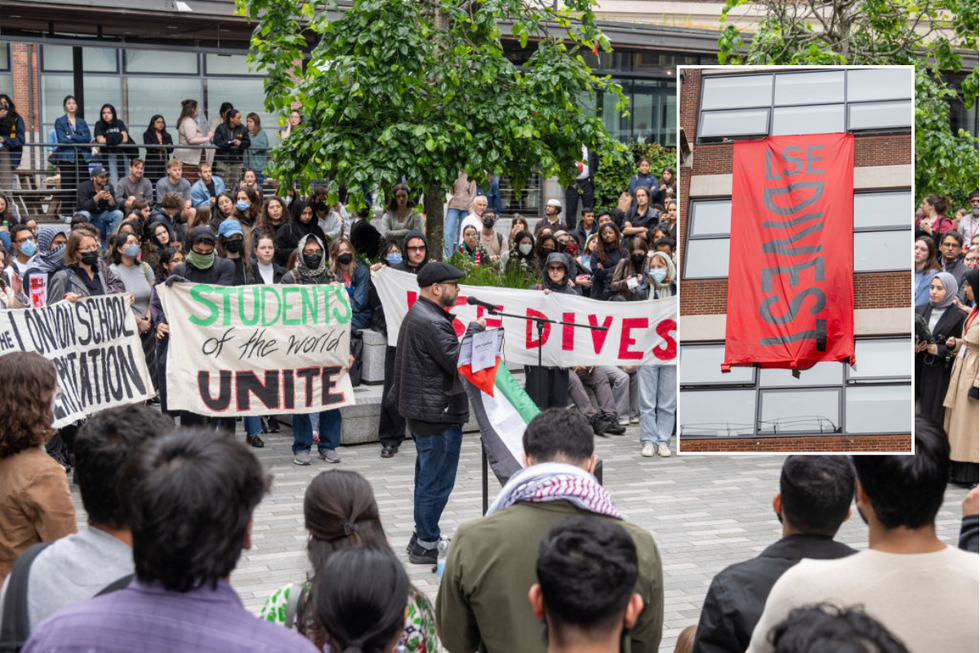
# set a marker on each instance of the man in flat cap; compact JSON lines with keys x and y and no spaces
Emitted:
{"x":429,"y":395}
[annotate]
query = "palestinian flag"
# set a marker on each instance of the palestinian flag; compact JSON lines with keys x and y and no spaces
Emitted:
{"x":503,"y":411}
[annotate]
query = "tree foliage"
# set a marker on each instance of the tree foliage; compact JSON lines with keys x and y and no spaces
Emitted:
{"x":930,"y":34}
{"x":422,"y":89}
{"x":612,"y":180}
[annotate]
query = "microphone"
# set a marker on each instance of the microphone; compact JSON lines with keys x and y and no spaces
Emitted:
{"x":473,"y":301}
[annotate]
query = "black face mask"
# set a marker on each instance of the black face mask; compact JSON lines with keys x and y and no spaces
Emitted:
{"x":545,"y":251}
{"x":488,"y":221}
{"x":234,"y":246}
{"x":312,"y":261}
{"x":320,"y":207}
{"x":90,"y":259}
{"x":638,"y":260}
{"x":345,"y":259}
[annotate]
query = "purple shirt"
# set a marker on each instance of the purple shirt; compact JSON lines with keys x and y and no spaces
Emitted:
{"x":147,"y":618}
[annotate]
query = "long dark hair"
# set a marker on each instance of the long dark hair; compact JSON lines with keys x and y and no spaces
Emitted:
{"x":264,"y":224}
{"x":115,"y":115}
{"x":392,"y":203}
{"x":151,"y":130}
{"x":601,"y":247}
{"x":932,"y":263}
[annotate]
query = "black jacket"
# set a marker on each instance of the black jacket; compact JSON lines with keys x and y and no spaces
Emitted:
{"x":932,"y":371}
{"x":225,"y":137}
{"x":222,"y":273}
{"x":289,"y":235}
{"x":277,"y":272}
{"x":738,"y":593}
{"x":85,"y":198}
{"x":970,"y":533}
{"x":427,"y":388}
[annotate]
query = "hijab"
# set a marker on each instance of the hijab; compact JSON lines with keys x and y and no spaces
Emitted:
{"x":47,"y":259}
{"x":949,"y":283}
{"x":319,"y":274}
{"x":671,"y":271}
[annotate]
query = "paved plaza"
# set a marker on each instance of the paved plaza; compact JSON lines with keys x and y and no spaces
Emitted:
{"x":705,"y":512}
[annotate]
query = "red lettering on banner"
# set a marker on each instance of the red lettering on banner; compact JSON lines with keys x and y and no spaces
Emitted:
{"x":412,"y":298}
{"x":599,"y":336}
{"x":458,"y":326}
{"x":492,"y":322}
{"x":567,"y":332}
{"x":667,"y":351}
{"x":626,"y":339}
{"x":531,"y":327}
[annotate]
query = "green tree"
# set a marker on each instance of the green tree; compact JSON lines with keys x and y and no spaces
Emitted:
{"x":423,"y":89}
{"x":931,"y":34}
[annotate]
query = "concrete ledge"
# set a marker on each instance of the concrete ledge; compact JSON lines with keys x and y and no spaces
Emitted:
{"x":373,"y":357}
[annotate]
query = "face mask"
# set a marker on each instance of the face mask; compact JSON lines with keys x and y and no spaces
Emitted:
{"x":242,"y":205}
{"x":976,"y":210}
{"x":29,"y":248}
{"x":90,"y":259}
{"x":394,"y":259}
{"x":234,"y":246}
{"x":345,"y":259}
{"x":546,"y":251}
{"x":638,"y":260}
{"x":132,"y":251}
{"x":524,"y":249}
{"x":488,"y":221}
{"x":200,"y":261}
{"x":659,"y":275}
{"x":312,"y":261}
{"x":320,"y":207}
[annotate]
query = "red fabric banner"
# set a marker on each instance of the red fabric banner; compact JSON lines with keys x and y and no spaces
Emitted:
{"x":790,"y":274}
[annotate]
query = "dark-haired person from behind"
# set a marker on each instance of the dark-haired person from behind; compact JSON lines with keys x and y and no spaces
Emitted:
{"x":189,"y":501}
{"x":491,"y":563}
{"x":361,"y":601}
{"x":79,"y":566}
{"x":923,"y":591}
{"x":587,"y":568}
{"x":814,"y":499}
{"x":825,"y":627}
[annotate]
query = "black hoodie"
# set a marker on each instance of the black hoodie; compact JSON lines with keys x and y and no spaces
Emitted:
{"x":404,"y":266}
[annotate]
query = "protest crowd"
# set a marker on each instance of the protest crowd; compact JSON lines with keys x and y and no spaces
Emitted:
{"x":553,"y":565}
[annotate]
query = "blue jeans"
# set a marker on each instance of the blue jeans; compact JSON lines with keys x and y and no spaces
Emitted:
{"x":329,"y":423}
{"x":454,"y":218}
{"x":435,"y":476}
{"x":657,"y":385}
{"x":253,"y":425}
{"x":107,"y":221}
{"x":492,"y":195}
{"x":116,"y":165}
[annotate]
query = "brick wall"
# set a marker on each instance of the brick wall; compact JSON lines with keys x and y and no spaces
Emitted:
{"x":830,"y":444}
{"x":19,"y":64}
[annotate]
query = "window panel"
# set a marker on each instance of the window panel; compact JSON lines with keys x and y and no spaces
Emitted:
{"x":880,"y":115}
{"x":826,"y":373}
{"x":808,"y":120}
{"x":882,"y":250}
{"x":702,"y":364}
{"x":4,"y":56}
{"x":878,"y":84}
{"x":706,"y":259}
{"x":98,"y":91}
{"x":736,"y":92}
{"x":889,"y":209}
{"x":732,"y":412}
{"x":227,"y":64}
{"x":882,"y":358}
{"x":161,"y":61}
{"x":810,"y":88}
{"x":149,"y":96}
{"x":7,"y":85}
{"x":746,"y":122}
{"x":879,"y":409}
{"x":812,"y":411}
{"x":246,"y":95}
{"x":58,"y":58}
{"x":711,"y":218}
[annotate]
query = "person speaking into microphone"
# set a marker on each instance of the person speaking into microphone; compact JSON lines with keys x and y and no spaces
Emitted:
{"x":429,"y":395}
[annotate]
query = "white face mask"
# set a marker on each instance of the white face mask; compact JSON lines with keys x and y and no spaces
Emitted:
{"x":976,"y":210}
{"x":524,"y":249}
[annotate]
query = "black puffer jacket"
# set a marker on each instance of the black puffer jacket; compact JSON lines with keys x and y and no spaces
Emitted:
{"x":427,"y":387}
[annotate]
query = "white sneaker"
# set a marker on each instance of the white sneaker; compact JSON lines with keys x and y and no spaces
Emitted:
{"x":663,"y":450}
{"x":647,"y":450}
{"x":624,"y":421}
{"x":635,"y":419}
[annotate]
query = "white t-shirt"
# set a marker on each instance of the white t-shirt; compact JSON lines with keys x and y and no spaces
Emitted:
{"x":930,"y":601}
{"x":268,"y":273}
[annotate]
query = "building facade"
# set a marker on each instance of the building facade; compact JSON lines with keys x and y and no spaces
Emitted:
{"x":833,"y":406}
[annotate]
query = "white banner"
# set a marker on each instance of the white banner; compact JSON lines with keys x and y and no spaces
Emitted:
{"x":636,"y":333}
{"x":95,"y":346}
{"x":257,"y":350}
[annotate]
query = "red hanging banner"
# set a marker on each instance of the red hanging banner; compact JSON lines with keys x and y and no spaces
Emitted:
{"x":790,"y":275}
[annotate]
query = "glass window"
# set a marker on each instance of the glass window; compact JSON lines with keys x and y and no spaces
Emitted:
{"x":882,"y":358}
{"x":877,"y":251}
{"x":7,"y":85}
{"x":826,"y":373}
{"x":716,"y":412}
{"x":247,"y":95}
{"x":617,"y":60}
{"x":879,"y":409}
{"x":161,"y":61}
{"x":810,"y":88}
{"x":746,"y":122}
{"x":226,"y":64}
{"x":730,"y":92}
{"x":808,"y":120}
{"x":812,"y":411}
{"x":880,"y":115}
{"x":58,"y":58}
{"x":878,"y":84}
{"x":702,"y":364}
{"x":4,"y":56}
{"x":98,"y":91}
{"x":707,"y":259}
{"x":890,"y":209}
{"x":654,"y":112}
{"x":615,"y":123}
{"x":711,"y":218}
{"x":148,"y":96}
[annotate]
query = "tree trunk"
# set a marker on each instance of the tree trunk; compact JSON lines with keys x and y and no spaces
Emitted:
{"x":435,"y":218}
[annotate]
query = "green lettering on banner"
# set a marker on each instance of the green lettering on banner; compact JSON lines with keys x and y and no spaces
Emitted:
{"x":311,"y":304}
{"x":227,"y":292}
{"x":265,"y":303}
{"x":340,"y":293}
{"x":286,"y":320}
{"x":256,"y":307}
{"x":197,"y":294}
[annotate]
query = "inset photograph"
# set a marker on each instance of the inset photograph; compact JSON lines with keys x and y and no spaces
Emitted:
{"x":796,"y":242}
